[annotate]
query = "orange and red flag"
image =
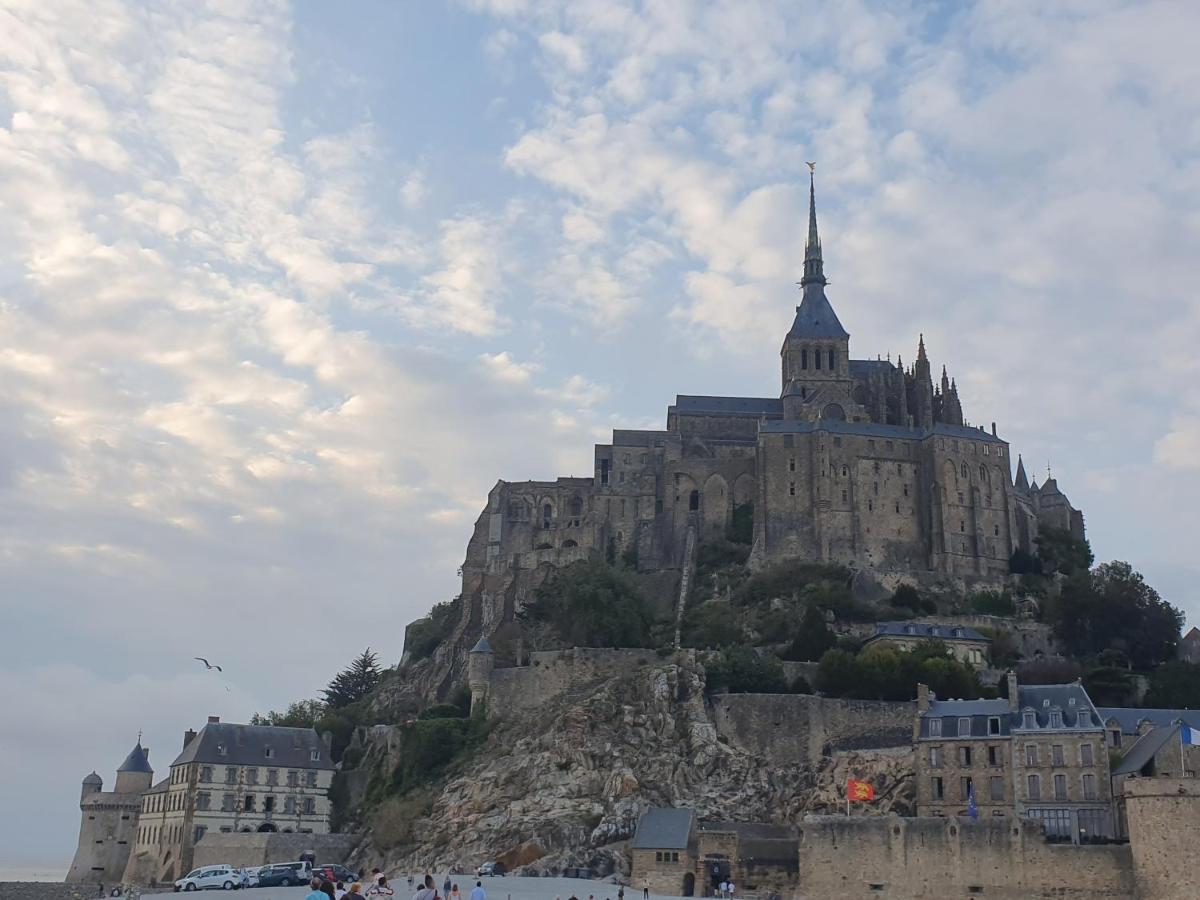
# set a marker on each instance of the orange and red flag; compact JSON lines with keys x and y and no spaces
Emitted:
{"x":859,"y":790}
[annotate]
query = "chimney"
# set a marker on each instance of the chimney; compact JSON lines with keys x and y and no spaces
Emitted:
{"x":993,"y":429}
{"x":213,"y":720}
{"x":923,"y":695}
{"x":1013,"y":705}
{"x":187,"y":737}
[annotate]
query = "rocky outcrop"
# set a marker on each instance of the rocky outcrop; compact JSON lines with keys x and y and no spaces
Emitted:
{"x":572,"y":777}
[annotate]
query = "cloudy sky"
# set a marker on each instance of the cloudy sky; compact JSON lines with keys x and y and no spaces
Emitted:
{"x":285,"y":289}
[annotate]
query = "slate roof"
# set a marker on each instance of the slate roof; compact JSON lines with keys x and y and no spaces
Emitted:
{"x":930,"y":632}
{"x":1043,"y":698}
{"x":863,"y":368}
{"x":136,"y":761}
{"x":1029,"y":697}
{"x":815,"y":317}
{"x":664,"y":829}
{"x":245,"y":745}
{"x":482,"y":646}
{"x":161,"y":787}
{"x":93,"y":779}
{"x":743,"y":405}
{"x":1145,"y":749}
{"x":1129,"y":718}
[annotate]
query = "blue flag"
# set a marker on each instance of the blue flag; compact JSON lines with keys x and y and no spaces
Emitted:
{"x":1189,"y":735}
{"x":972,"y":806}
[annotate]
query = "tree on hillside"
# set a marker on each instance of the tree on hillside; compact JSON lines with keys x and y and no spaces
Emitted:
{"x":1061,"y":551}
{"x":1113,"y":607}
{"x":354,"y":682}
{"x":881,"y":673}
{"x":813,"y":637}
{"x":591,"y":604}
{"x":301,"y":714}
{"x":743,"y":671}
{"x":1175,"y":685}
{"x":712,"y":625}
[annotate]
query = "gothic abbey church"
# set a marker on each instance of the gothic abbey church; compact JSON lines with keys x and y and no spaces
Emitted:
{"x":857,"y":461}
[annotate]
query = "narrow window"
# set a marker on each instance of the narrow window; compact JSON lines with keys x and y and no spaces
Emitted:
{"x":1035,"y":787}
{"x":994,"y":758}
{"x":935,"y":727}
{"x":792,"y":464}
{"x":935,"y":757}
{"x":1028,"y":719}
{"x":1031,"y":754}
{"x":817,"y":359}
{"x":1086,"y":755}
{"x":804,"y":358}
{"x":997,"y":787}
{"x":1060,"y":787}
{"x":964,"y":726}
{"x":792,"y":488}
{"x":693,"y":501}
{"x":832,"y":358}
{"x":936,"y":788}
{"x":1056,"y":719}
{"x":964,"y":756}
{"x":1058,"y":758}
{"x":843,"y":496}
{"x":1089,"y":787}
{"x":964,"y":787}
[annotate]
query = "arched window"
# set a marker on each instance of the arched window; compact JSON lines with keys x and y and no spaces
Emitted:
{"x":817,"y":359}
{"x":833,"y":412}
{"x":983,"y":479}
{"x":845,"y":472}
{"x":694,"y":500}
{"x":547,"y":515}
{"x":576,"y":507}
{"x":570,"y":543}
{"x":832,"y":358}
{"x":804,"y":358}
{"x":965,"y":472}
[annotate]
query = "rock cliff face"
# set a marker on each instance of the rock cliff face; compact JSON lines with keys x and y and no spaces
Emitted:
{"x":564,"y":784}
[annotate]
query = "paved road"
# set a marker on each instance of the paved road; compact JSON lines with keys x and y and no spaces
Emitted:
{"x":506,"y":888}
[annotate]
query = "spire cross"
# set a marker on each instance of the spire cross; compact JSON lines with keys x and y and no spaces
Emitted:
{"x":139,"y":735}
{"x":1048,"y":469}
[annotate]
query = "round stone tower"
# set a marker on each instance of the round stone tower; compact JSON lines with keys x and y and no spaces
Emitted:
{"x":92,"y":784}
{"x":480,"y":662}
{"x":134,"y":775}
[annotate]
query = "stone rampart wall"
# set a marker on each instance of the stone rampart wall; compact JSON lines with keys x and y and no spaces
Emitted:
{"x":553,"y":673}
{"x":260,"y":849}
{"x":801,"y":728}
{"x":947,"y":857}
{"x":1164,"y":831}
{"x":42,"y":890}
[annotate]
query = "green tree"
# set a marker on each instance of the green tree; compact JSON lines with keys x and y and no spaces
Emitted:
{"x":301,"y":714}
{"x":354,"y":682}
{"x":882,"y":673}
{"x":812,"y":638}
{"x":1109,"y":686}
{"x":743,"y":671}
{"x":591,"y":604}
{"x":423,"y":636}
{"x":1113,"y":607}
{"x":1060,"y":551}
{"x":1175,"y":685}
{"x":992,"y":603}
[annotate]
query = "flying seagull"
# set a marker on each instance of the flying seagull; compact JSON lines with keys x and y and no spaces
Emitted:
{"x":207,"y":664}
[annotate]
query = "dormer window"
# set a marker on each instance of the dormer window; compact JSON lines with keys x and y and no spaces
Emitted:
{"x":269,"y":752}
{"x":958,"y":632}
{"x":315,"y":755}
{"x":1029,"y":719}
{"x":1056,"y":719}
{"x":221,"y":750}
{"x":1083,"y":719}
{"x":935,"y":727}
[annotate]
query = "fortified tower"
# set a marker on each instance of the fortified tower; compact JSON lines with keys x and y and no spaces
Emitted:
{"x":109,"y":820}
{"x":480,"y":662}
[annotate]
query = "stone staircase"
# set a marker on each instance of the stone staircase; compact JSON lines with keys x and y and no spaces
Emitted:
{"x":685,"y":579}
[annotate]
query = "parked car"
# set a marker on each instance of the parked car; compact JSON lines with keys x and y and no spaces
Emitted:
{"x":284,"y":874}
{"x":490,"y":868}
{"x":251,"y":873}
{"x":224,"y":877}
{"x":334,"y":872}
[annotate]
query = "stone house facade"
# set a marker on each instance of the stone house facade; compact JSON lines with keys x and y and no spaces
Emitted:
{"x":231,"y":778}
{"x":964,"y":644}
{"x":1038,"y":754}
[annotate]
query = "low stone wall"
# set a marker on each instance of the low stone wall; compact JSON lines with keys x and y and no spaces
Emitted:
{"x":43,"y":890}
{"x":1164,"y":824}
{"x":552,"y":673}
{"x":801,"y":728}
{"x":260,"y":849}
{"x":935,"y":857}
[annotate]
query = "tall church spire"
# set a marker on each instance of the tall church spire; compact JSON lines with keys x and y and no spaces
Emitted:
{"x":814,"y":271}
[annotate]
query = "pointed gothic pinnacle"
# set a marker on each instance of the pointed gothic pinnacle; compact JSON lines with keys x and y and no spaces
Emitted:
{"x":921,"y":348}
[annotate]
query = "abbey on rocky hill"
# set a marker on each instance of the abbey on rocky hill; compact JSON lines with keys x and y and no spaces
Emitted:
{"x":857,"y":461}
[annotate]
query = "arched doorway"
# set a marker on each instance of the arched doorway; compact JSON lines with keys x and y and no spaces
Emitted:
{"x":689,"y":884}
{"x":268,"y":827}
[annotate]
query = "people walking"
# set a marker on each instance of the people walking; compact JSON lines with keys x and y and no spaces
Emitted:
{"x":327,"y":889}
{"x":454,"y":894}
{"x":339,"y":890}
{"x":446,"y":886}
{"x":478,"y":893}
{"x":355,"y":892}
{"x":381,"y":888}
{"x":315,"y":893}
{"x":645,"y":889}
{"x":427,"y":891}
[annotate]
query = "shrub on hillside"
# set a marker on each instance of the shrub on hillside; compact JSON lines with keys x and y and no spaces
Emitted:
{"x":812,"y":638}
{"x":992,"y":603}
{"x":741,"y":670}
{"x":885,"y":674}
{"x":591,"y":604}
{"x":1110,"y":686}
{"x":1062,"y":552}
{"x":714,"y":556}
{"x":741,"y":525}
{"x":711,"y":625}
{"x":424,"y":635}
